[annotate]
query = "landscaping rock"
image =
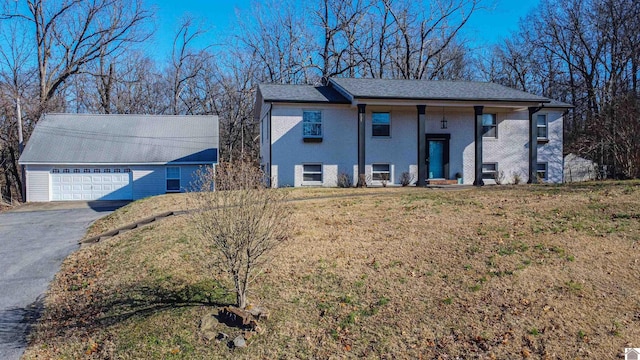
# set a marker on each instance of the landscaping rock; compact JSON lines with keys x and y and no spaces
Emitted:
{"x":239,"y":342}
{"x":259,"y":313}
{"x":207,"y":327}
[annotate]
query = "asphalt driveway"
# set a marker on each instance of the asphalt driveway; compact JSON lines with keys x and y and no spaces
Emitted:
{"x":34,"y":239}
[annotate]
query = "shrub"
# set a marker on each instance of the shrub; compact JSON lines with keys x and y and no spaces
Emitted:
{"x":517,"y":179}
{"x":406,"y":178}
{"x":344,"y":180}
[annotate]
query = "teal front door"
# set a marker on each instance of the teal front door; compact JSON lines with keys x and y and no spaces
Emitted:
{"x":438,"y":156}
{"x":436,"y":159}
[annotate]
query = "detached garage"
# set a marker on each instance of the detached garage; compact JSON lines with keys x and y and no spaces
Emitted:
{"x":116,"y":157}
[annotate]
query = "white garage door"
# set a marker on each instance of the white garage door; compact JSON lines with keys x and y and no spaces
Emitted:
{"x":91,"y":184}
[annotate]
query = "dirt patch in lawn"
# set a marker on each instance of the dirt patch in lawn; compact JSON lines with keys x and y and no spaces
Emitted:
{"x":494,"y":273}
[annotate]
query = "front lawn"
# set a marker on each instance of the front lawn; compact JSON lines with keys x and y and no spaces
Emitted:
{"x":500,"y":272}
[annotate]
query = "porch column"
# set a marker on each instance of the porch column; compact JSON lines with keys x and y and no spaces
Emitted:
{"x":361,"y":148}
{"x":478,"y":157}
{"x":533,"y":147}
{"x":422,"y":146}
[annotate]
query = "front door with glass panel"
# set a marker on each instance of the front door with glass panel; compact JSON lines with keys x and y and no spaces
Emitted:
{"x":438,"y":156}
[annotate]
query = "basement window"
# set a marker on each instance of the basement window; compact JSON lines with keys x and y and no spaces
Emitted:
{"x":173,"y":179}
{"x":541,"y":171}
{"x":312,"y":174}
{"x":381,"y":172}
{"x":489,"y":171}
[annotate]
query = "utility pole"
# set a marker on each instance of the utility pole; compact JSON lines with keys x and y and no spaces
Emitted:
{"x":20,"y":149}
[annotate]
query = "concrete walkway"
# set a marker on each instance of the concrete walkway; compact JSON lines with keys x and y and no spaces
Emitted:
{"x":34,"y":240}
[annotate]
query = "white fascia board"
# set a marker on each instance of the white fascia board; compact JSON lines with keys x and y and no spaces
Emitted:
{"x":444,"y":103}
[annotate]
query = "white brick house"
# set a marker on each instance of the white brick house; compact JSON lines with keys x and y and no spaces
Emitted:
{"x":378,"y":129}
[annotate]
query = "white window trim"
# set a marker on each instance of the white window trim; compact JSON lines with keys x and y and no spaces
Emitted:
{"x":546,"y":126}
{"x":304,"y":136}
{"x":167,"y":178}
{"x":390,"y":125}
{"x":379,"y":182}
{"x":313,"y":183}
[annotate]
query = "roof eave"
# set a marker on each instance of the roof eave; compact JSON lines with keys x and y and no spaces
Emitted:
{"x":300,"y":101}
{"x":535,"y":101}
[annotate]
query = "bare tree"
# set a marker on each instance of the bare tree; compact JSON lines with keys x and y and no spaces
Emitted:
{"x":243,"y":221}
{"x":69,"y":34}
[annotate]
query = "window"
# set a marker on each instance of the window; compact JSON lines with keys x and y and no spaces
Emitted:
{"x":381,"y":172}
{"x":542,"y":171}
{"x":173,"y":179}
{"x":312,"y":173}
{"x":76,"y":171}
{"x":86,"y":171}
{"x":381,"y":124}
{"x":127,"y":170}
{"x":489,"y":126}
{"x":542,"y":127}
{"x":56,"y":171}
{"x":489,"y":170}
{"x":312,"y":124}
{"x":97,"y":171}
{"x":106,"y":171}
{"x":117,"y":171}
{"x":65,"y":171}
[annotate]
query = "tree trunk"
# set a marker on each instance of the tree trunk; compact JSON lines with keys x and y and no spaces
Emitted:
{"x":16,"y":173}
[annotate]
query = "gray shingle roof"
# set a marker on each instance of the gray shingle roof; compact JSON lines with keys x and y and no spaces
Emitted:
{"x":122,"y":139}
{"x":558,"y":104}
{"x":433,"y":90}
{"x":301,"y":94}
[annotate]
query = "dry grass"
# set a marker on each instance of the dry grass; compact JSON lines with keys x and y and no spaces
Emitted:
{"x":492,"y":273}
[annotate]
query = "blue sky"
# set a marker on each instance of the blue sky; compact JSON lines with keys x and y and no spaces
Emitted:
{"x":485,"y":26}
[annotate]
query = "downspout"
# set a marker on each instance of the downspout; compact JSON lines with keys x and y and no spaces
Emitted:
{"x":270,"y":143}
{"x":565,"y":113}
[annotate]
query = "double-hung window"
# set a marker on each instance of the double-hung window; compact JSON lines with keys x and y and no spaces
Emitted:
{"x":312,"y":173}
{"x":173,"y":179}
{"x":543,"y":128}
{"x":312,"y":125}
{"x":489,"y":126}
{"x":381,"y":124}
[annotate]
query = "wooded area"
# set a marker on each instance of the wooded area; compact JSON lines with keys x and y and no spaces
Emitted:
{"x":85,"y":56}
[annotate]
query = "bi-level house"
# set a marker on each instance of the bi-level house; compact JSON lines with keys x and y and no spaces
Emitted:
{"x":434,"y":131}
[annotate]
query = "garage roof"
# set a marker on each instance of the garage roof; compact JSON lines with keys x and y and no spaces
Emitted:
{"x":122,"y":139}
